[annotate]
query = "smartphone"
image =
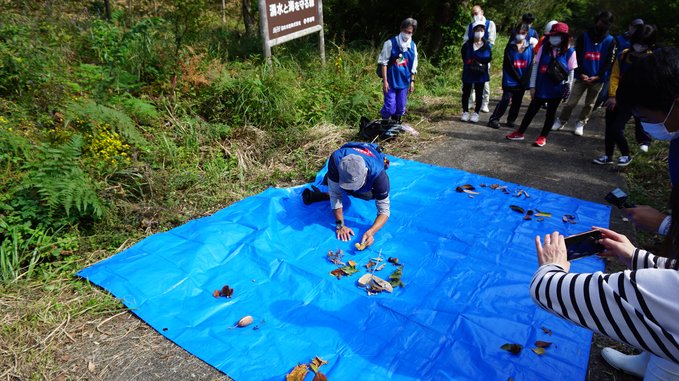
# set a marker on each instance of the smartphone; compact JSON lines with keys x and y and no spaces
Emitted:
{"x":583,"y":244}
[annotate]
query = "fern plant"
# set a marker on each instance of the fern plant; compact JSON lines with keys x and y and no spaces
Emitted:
{"x":92,"y":111}
{"x":62,"y":185}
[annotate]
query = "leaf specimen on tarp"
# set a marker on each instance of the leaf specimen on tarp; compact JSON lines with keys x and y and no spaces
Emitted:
{"x":465,"y":187}
{"x":514,"y":349}
{"x":517,"y":209}
{"x":316,"y":363}
{"x":395,"y":278}
{"x":349,"y":270}
{"x":538,"y":351}
{"x":297,"y":373}
{"x":542,"y":344}
{"x":547,"y":331}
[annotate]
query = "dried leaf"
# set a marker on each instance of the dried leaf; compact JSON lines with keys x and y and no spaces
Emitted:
{"x":316,"y":363}
{"x":529,"y":213}
{"x":538,"y":351}
{"x":338,"y":273}
{"x":393,"y":260}
{"x":361,"y":246}
{"x":568,"y":218}
{"x":494,"y":186}
{"x":336,"y":257}
{"x":380,"y":267}
{"x":246,"y":321}
{"x":547,"y":331}
{"x":216,"y":294}
{"x":542,"y":344}
{"x":467,"y":191}
{"x":227,"y":291}
{"x":543,"y":214}
{"x":370,"y":265}
{"x":91,"y":367}
{"x":464,"y":187}
{"x":320,"y":377}
{"x":540,"y":219}
{"x":351,"y":263}
{"x":298,"y":373}
{"x":527,"y":217}
{"x":482,"y":185}
{"x":517,"y":209}
{"x":514,"y":349}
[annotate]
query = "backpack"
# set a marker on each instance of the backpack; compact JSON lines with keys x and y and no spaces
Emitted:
{"x":385,"y":129}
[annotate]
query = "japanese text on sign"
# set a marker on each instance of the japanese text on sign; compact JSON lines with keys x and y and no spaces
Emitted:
{"x":279,"y":9}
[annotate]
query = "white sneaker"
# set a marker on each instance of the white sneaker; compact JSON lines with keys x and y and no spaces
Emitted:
{"x":632,"y":364}
{"x":558,"y":124}
{"x":474,"y":118}
{"x":643,"y":147}
{"x":484,"y":108}
{"x":579,"y":129}
{"x":465,"y":117}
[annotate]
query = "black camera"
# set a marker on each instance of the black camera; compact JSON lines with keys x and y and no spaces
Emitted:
{"x":618,"y":198}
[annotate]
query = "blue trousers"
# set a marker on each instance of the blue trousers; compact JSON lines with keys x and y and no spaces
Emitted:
{"x":394,"y":102}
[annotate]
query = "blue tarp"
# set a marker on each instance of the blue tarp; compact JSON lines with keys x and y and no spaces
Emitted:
{"x":468,"y":262}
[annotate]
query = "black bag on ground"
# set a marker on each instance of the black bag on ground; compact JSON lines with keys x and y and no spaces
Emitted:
{"x":383,"y":128}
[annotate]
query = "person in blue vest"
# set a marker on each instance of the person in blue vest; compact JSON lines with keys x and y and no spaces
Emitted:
{"x":650,"y":88}
{"x":595,"y":50}
{"x":643,"y":43}
{"x":516,"y":68}
{"x":476,"y":57}
{"x":533,"y":36}
{"x":490,"y":33}
{"x":398,"y":61}
{"x":359,"y":170}
{"x":550,"y":80}
{"x":622,"y":42}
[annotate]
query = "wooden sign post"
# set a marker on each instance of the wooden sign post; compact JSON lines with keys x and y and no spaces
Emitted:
{"x":281,"y":21}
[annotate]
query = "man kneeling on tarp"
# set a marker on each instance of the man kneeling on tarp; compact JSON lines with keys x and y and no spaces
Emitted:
{"x":359,"y":169}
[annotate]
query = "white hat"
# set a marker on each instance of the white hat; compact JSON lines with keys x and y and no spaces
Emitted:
{"x":548,"y":27}
{"x":477,"y":23}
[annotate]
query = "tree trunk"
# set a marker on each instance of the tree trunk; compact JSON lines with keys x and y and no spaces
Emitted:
{"x":248,"y":19}
{"x":444,"y":16}
{"x":107,"y":9}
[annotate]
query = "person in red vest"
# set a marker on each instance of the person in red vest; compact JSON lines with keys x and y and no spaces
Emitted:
{"x":595,"y":51}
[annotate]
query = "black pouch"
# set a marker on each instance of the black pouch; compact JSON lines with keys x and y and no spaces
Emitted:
{"x":477,"y":67}
{"x":556,"y":71}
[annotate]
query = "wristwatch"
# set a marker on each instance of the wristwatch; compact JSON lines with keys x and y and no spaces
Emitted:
{"x":339,"y":224}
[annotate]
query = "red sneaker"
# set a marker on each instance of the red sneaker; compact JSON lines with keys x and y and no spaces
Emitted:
{"x":515,"y":136}
{"x":541,"y":141}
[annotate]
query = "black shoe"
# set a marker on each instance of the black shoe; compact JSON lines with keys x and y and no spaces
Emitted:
{"x":494,"y":123}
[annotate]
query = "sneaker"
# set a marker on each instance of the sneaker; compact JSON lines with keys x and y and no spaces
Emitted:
{"x":624,"y":161}
{"x":494,"y":123}
{"x":602,"y":160}
{"x":631,"y":364}
{"x":465,"y":117}
{"x":558,"y":124}
{"x":510,"y":124}
{"x":541,"y":141}
{"x":484,"y":108}
{"x":643,"y":147}
{"x":579,"y":129}
{"x":474,"y":118}
{"x":515,"y":136}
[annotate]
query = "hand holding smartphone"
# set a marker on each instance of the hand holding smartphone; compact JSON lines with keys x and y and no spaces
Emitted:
{"x":583,"y":244}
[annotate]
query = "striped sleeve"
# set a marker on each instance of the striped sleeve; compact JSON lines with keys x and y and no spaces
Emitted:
{"x":644,"y":260}
{"x":636,"y":307}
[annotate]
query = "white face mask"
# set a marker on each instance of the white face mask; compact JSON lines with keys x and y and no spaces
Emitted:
{"x":478,"y":18}
{"x":555,"y":40}
{"x":520,"y":37}
{"x":478,"y":35}
{"x":658,"y":130}
{"x":405,"y":37}
{"x":639,"y":48}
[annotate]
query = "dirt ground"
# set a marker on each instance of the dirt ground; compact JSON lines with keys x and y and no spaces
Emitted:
{"x":119,"y":346}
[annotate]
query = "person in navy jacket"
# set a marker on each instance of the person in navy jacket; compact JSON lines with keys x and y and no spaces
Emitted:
{"x":476,"y":56}
{"x":550,"y":80}
{"x":398,"y":61}
{"x":595,"y":51}
{"x":516,"y":68}
{"x":359,"y":170}
{"x":490,"y":33}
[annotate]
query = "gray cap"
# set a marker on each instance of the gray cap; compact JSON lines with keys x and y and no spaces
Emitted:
{"x":637,"y":22}
{"x":352,"y":172}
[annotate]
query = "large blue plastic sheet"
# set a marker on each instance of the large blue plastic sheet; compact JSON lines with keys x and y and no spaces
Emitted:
{"x":468,"y":262}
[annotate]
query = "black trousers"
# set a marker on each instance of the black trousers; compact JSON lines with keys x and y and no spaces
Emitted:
{"x":515,"y":96}
{"x":616,"y":120}
{"x":467,"y":91}
{"x":534,"y":107}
